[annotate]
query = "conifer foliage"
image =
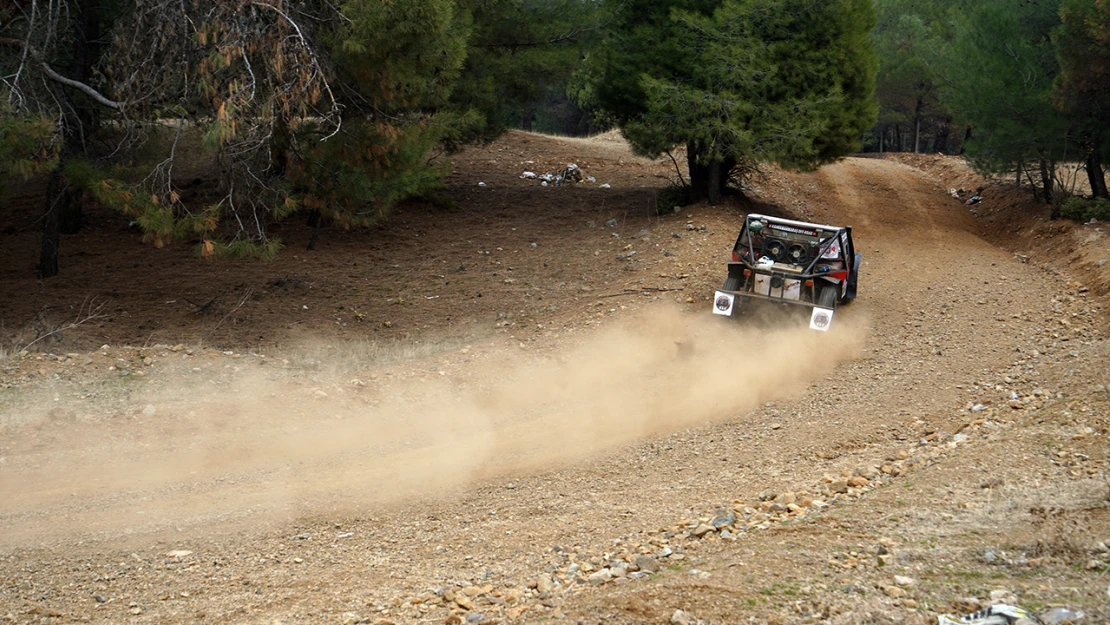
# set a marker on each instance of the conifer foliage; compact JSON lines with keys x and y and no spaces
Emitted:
{"x":1024,"y":83}
{"x":742,"y":81}
{"x":1083,"y":85}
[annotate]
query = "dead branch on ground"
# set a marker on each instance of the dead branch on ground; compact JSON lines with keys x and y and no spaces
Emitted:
{"x":242,"y":301}
{"x":203,"y":309}
{"x":88,"y":311}
{"x":643,"y":290}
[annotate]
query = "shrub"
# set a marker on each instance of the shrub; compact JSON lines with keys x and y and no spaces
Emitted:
{"x":670,"y":198}
{"x":1081,"y":209}
{"x":1074,"y":208}
{"x":1100,"y":210}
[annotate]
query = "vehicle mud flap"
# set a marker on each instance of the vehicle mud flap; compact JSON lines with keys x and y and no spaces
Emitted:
{"x":736,"y":272}
{"x":853,"y":279}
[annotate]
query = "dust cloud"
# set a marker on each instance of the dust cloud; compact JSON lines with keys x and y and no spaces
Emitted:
{"x":263,"y":446}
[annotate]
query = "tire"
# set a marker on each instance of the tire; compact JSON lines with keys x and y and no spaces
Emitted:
{"x":731,"y":284}
{"x":826,"y":296}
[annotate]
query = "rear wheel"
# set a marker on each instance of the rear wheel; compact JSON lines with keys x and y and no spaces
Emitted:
{"x":731,"y":284}
{"x":826,"y":296}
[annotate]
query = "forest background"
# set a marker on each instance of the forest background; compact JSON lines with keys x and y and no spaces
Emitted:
{"x":339,"y":112}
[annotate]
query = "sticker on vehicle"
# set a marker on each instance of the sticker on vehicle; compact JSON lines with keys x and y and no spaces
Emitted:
{"x":821,"y":319}
{"x":722,"y":303}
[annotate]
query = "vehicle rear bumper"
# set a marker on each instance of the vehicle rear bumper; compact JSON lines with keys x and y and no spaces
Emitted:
{"x":770,"y":298}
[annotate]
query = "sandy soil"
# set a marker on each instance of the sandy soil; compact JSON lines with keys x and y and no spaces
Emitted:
{"x":439,"y":422}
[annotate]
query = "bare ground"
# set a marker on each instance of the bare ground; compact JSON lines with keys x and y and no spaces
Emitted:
{"x":439,"y":422}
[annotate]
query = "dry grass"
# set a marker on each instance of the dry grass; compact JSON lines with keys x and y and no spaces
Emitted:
{"x":14,"y":342}
{"x":608,"y":145}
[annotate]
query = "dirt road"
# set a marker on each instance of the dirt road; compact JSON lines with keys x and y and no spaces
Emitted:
{"x":515,"y":474}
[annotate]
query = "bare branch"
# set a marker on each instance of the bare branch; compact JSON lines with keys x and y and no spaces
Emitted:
{"x":88,"y":311}
{"x":242,"y":301}
{"x":250,"y":70}
{"x":92,"y":93}
{"x":26,"y":47}
{"x":642,"y":291}
{"x":676,"y":168}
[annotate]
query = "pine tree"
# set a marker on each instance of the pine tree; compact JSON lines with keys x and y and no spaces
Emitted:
{"x":520,"y":52}
{"x":907,"y":90}
{"x":999,"y":72}
{"x":743,"y":81}
{"x":1083,"y":85}
{"x":48,"y":52}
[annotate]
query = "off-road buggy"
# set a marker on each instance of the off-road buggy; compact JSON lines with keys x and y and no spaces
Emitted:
{"x":791,"y":262}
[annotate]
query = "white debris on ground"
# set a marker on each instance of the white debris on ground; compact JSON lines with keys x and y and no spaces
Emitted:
{"x":572,"y":173}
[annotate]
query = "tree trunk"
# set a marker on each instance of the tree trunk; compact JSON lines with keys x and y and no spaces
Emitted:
{"x":63,"y":206}
{"x":315,"y":235}
{"x":527,"y":120}
{"x":940,"y":142}
{"x":714,"y":186}
{"x":882,"y":135}
{"x":576,"y":124}
{"x":727,"y":166}
{"x":1095,"y":175}
{"x":281,"y":144}
{"x":314,"y":217}
{"x":51,"y":236}
{"x":699,"y":174}
{"x":70,"y":217}
{"x":315,"y":221}
{"x":1047,"y":178}
{"x":917,"y":136}
{"x":967,"y":137}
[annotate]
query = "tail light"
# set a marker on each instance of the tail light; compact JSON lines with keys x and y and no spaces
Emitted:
{"x":747,"y":273}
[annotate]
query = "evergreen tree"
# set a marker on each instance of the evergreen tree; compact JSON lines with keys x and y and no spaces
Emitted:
{"x":743,"y":81}
{"x":1083,"y":85}
{"x":999,"y":71}
{"x":51,"y":104}
{"x":907,"y":90}
{"x":521,"y":52}
{"x":397,"y":64}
